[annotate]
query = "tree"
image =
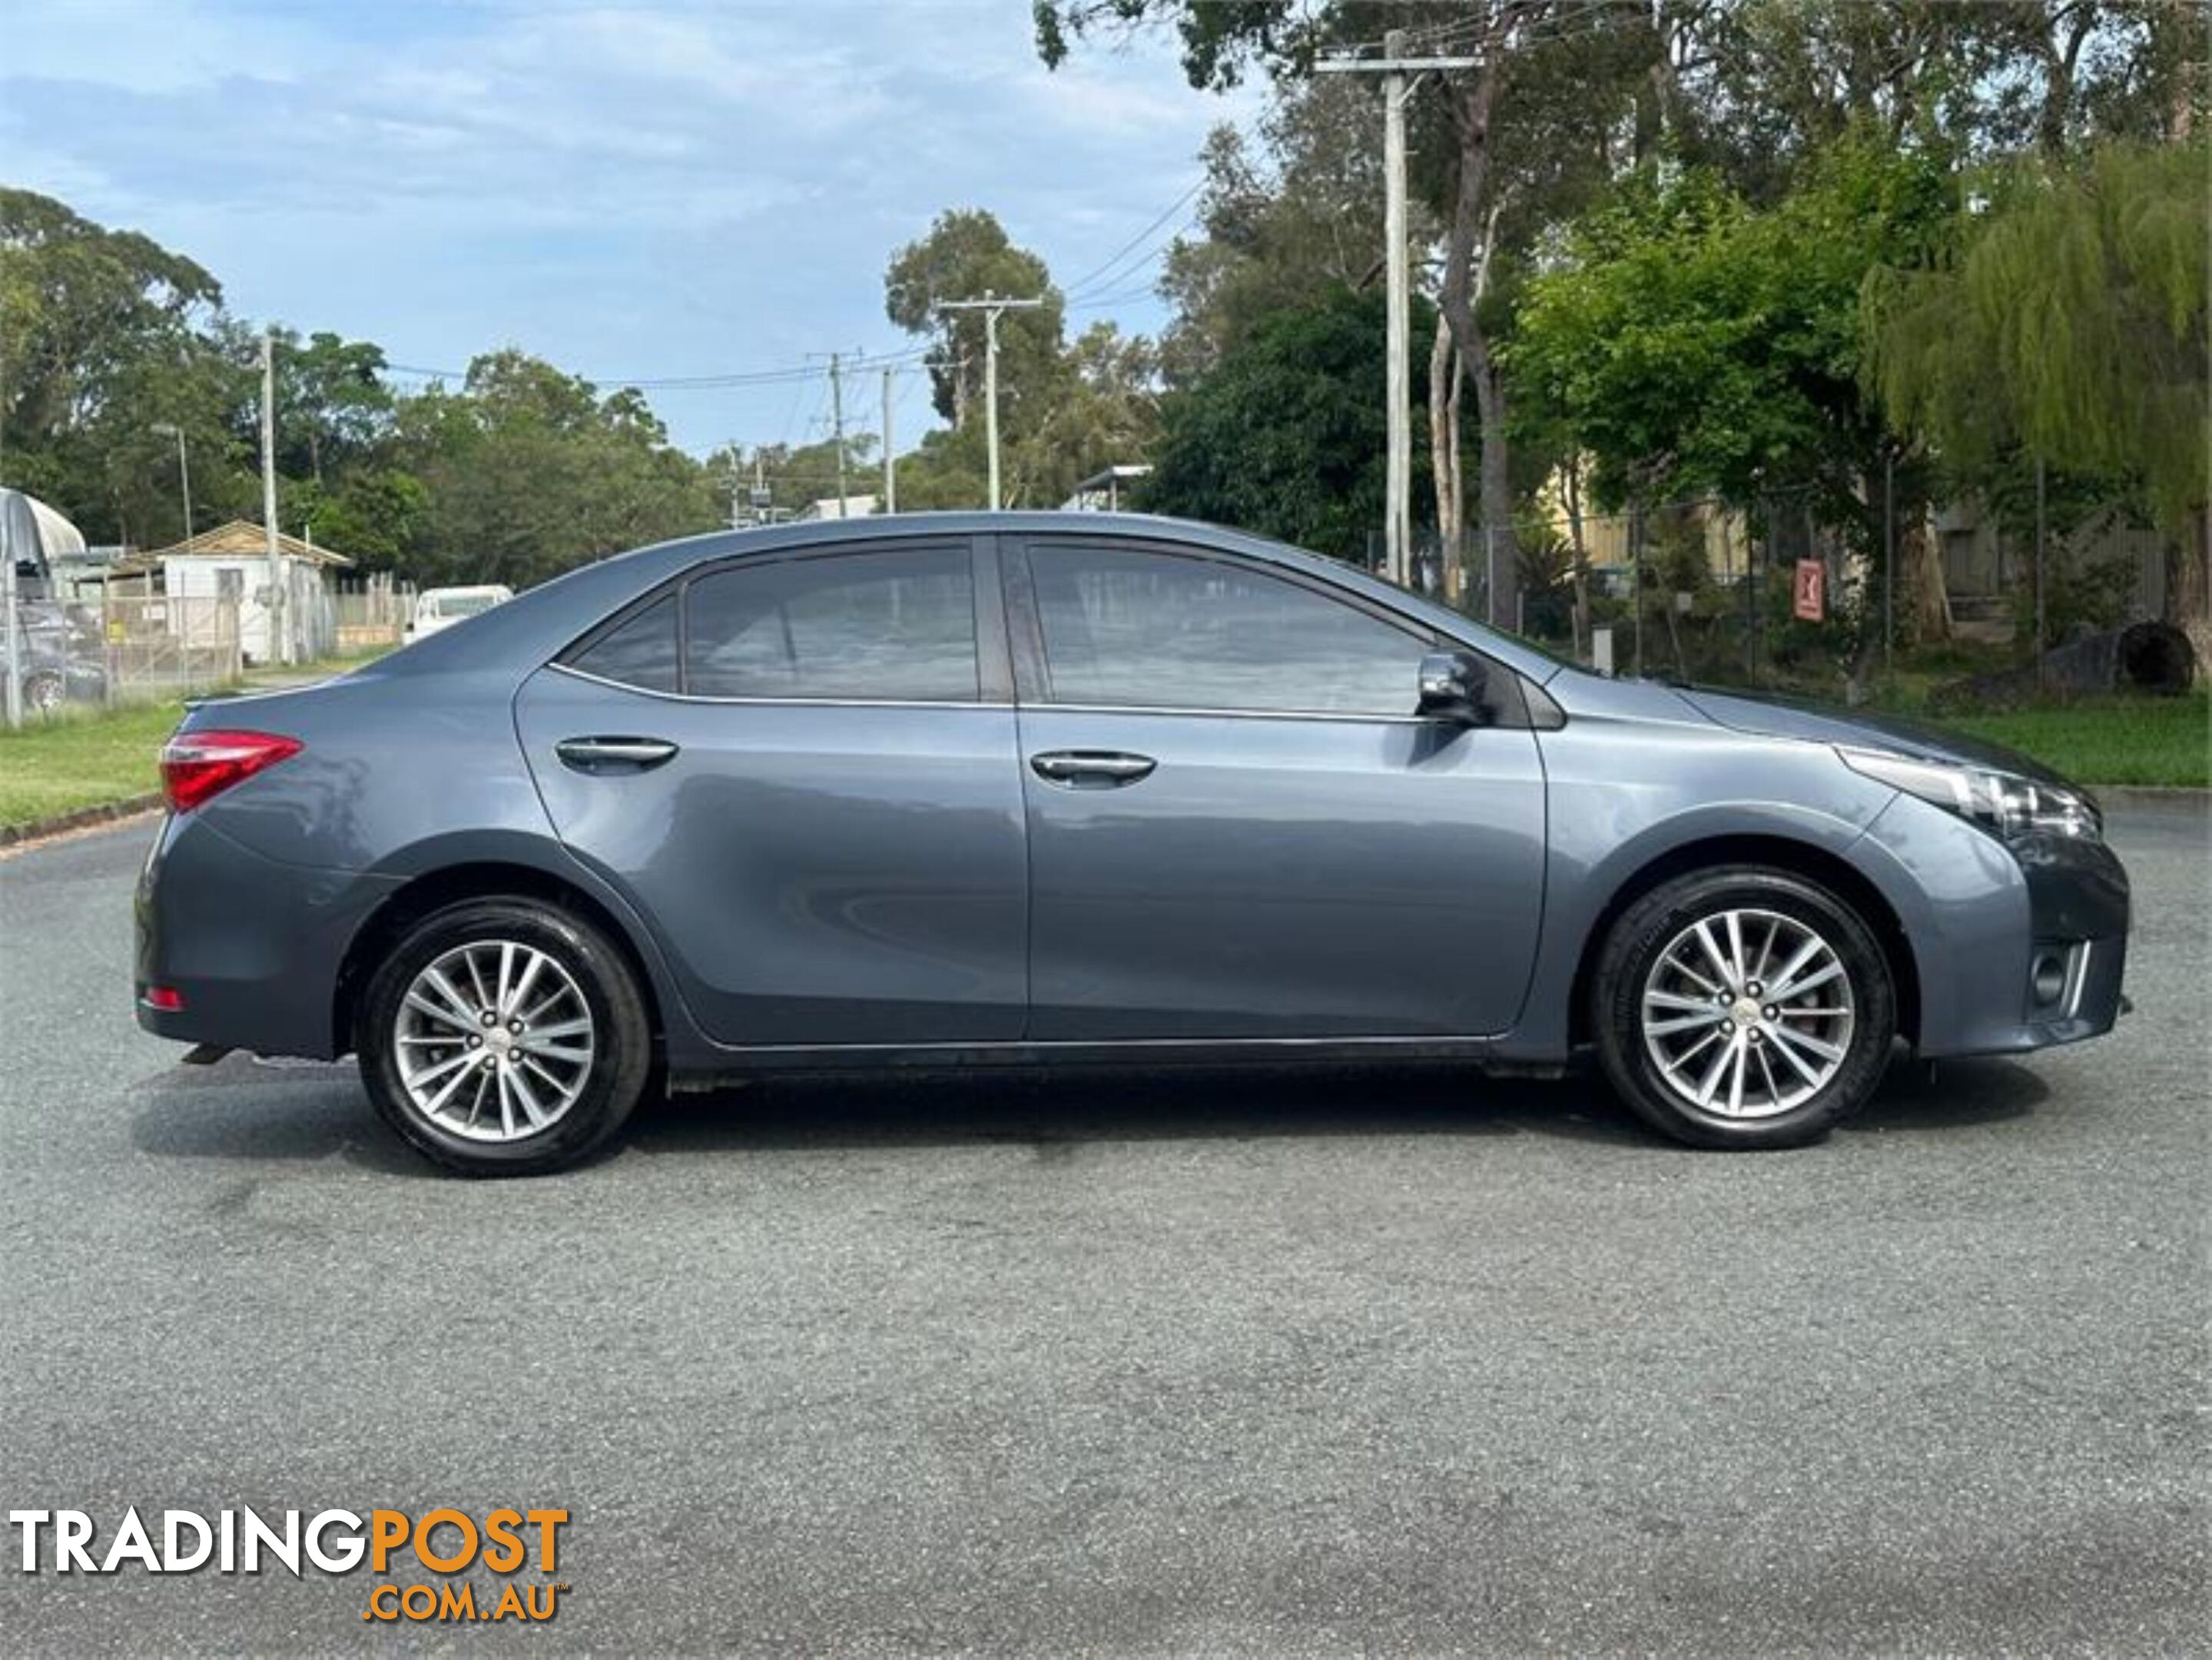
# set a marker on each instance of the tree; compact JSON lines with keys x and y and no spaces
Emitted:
{"x":529,"y":471}
{"x":332,"y":405}
{"x":1506,"y":125}
{"x":2069,"y":323}
{"x":1104,"y":409}
{"x":1278,"y":231}
{"x":102,"y":336}
{"x":1285,"y":436}
{"x":796,"y":476}
{"x":1691,"y":342}
{"x":967,"y":255}
{"x":1062,"y":410}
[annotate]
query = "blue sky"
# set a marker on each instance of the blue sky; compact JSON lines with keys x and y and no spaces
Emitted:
{"x":633,"y":191}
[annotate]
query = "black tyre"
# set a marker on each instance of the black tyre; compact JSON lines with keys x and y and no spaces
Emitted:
{"x":1743,"y":1007}
{"x":45,"y":692}
{"x":503,"y":1038}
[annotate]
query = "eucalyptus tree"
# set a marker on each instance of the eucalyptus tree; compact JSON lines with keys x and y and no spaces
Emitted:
{"x":965,"y":255}
{"x":1543,"y":90}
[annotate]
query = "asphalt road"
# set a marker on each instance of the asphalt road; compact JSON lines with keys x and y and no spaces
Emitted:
{"x":1222,"y":1363}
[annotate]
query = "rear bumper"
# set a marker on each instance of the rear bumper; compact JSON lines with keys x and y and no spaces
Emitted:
{"x":250,"y":947}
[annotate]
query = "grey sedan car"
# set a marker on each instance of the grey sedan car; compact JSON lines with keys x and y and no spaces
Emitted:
{"x":953,"y":790}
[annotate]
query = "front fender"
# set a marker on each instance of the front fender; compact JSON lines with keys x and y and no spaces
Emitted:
{"x":1623,"y":795}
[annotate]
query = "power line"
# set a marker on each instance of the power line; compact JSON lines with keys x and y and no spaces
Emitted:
{"x":715,"y":382}
{"x":1075,"y":289}
{"x":1142,"y":291}
{"x":1556,"y":27}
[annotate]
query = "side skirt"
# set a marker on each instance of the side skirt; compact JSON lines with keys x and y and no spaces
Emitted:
{"x":737,"y":1066}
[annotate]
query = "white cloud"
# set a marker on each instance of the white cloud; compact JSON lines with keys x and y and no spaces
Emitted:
{"x":658,"y":189}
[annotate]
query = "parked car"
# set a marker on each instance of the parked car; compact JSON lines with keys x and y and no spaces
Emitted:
{"x":440,"y":608}
{"x":968,"y":788}
{"x":59,"y":655}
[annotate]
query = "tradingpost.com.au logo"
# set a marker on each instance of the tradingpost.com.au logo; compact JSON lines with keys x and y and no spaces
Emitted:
{"x":443,"y":1541}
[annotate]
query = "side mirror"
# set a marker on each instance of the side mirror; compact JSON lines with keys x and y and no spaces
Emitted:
{"x":1451,"y":688}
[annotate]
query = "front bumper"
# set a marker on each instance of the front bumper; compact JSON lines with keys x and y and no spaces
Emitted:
{"x":250,"y":947}
{"x":2017,"y":946}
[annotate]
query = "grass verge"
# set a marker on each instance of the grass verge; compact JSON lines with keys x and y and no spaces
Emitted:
{"x":2109,"y":740}
{"x":81,"y":759}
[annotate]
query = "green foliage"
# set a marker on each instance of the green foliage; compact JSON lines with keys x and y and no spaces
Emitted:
{"x":2069,"y":323}
{"x":1064,"y":411}
{"x":102,"y":336}
{"x":1278,"y":231}
{"x":529,"y":472}
{"x":1692,"y":343}
{"x":796,"y":477}
{"x":967,"y":255}
{"x":111,"y":346}
{"x":1286,"y":437}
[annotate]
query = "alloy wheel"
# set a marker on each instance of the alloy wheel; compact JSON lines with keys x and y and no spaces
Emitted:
{"x":493,"y":1041}
{"x":1748,"y":1014}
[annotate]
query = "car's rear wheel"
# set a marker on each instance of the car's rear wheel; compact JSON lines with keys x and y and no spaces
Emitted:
{"x":1743,"y":1007}
{"x":45,"y":693}
{"x":504,"y":1037}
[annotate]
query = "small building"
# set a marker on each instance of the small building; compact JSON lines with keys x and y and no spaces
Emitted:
{"x":231,"y":561}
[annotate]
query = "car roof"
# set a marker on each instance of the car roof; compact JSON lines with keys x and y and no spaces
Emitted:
{"x":538,"y":622}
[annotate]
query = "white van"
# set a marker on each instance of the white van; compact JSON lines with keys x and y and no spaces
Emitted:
{"x":439,"y":608}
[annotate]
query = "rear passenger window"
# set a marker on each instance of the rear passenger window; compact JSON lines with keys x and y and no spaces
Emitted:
{"x":896,"y":626}
{"x":640,"y":652}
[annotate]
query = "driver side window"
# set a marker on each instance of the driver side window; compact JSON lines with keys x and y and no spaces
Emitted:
{"x":1133,"y":629}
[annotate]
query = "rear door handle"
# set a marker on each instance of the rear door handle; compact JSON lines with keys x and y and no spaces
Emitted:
{"x":1091,"y":769}
{"x":614,"y":754}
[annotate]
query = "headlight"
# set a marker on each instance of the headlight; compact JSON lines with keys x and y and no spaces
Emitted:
{"x":2003,"y":803}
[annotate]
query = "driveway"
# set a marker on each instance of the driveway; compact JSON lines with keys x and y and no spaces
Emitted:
{"x":1147,"y":1363}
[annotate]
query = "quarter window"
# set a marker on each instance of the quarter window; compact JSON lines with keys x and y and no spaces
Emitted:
{"x":897,"y":625}
{"x":640,"y":652}
{"x":1155,"y":631}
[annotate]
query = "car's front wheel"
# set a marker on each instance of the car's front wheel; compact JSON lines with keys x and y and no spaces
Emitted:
{"x":503,"y":1038}
{"x":1743,"y":1007}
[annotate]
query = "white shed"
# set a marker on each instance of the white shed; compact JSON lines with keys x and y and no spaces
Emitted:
{"x":231,"y":561}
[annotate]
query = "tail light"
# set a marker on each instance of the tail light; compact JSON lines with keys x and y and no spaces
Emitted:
{"x":197,"y":766}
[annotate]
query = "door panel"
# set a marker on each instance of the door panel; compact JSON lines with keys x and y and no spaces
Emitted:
{"x":817,"y":873}
{"x":1282,"y":878}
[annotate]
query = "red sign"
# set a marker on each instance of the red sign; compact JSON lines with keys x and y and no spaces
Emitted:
{"x":1808,"y":594}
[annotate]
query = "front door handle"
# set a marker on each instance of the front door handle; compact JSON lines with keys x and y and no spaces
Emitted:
{"x":614,"y":754}
{"x":1092,"y":769}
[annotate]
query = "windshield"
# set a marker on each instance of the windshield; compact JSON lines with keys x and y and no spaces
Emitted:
{"x":461,"y":605}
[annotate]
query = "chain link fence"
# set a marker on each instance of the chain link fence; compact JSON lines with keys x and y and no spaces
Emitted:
{"x":1718,"y":591}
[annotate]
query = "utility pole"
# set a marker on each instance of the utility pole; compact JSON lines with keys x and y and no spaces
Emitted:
{"x":1398,"y":486}
{"x":837,"y":425}
{"x":1394,"y":67}
{"x":279,"y":646}
{"x":1888,"y":552}
{"x":2040,"y":638}
{"x":890,"y":467}
{"x":169,"y":429}
{"x":991,"y":305}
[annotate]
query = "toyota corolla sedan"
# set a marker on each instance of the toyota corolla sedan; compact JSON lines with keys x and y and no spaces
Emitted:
{"x":951,"y":790}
